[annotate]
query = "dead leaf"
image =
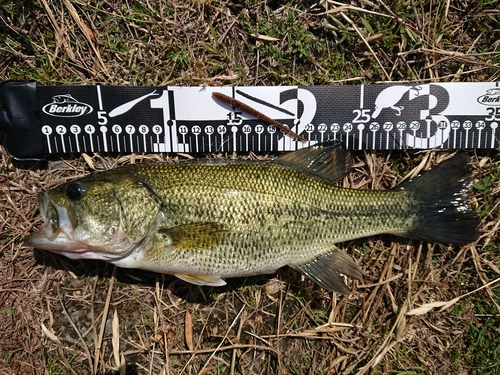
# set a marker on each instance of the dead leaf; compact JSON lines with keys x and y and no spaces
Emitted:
{"x":115,"y":324}
{"x":88,"y":160}
{"x":274,"y":286}
{"x":206,"y":371}
{"x":50,"y":335}
{"x":170,"y":336}
{"x":426,"y":307}
{"x":87,"y":31}
{"x":265,"y":37}
{"x":188,"y":329}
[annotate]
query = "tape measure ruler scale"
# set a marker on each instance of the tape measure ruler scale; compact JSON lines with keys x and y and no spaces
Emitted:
{"x":116,"y":119}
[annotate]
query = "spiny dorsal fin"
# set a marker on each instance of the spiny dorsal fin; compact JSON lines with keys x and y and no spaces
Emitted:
{"x":326,"y":269}
{"x":328,"y":161}
{"x":195,"y":236}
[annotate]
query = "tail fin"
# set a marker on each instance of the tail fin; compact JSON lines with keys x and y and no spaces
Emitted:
{"x":444,"y":193}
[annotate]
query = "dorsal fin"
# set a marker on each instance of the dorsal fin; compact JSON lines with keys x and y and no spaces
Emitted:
{"x":328,"y":161}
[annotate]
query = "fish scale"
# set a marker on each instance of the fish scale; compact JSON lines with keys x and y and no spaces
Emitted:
{"x":276,"y":193}
{"x":298,"y":215}
{"x":206,"y":220}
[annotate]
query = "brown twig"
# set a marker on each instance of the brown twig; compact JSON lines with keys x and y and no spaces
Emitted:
{"x":224,"y":348}
{"x":103,"y":323}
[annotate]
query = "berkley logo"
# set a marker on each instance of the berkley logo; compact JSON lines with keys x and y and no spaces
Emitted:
{"x":66,"y":106}
{"x":492,"y":97}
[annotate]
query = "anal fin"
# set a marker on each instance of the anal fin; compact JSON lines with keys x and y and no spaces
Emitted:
{"x":209,"y":280}
{"x":326,"y":270}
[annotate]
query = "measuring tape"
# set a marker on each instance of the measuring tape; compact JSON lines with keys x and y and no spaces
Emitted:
{"x":74,"y":119}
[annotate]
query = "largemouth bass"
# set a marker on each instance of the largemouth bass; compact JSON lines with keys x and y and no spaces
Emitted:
{"x":206,"y":220}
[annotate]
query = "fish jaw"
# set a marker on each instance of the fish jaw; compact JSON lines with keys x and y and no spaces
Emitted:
{"x":57,"y":233}
{"x":60,"y":235}
{"x":60,"y":243}
{"x":74,"y":249}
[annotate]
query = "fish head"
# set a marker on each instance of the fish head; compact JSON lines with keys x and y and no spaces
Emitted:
{"x":104,"y":216}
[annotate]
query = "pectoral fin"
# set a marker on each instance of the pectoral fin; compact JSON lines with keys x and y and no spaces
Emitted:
{"x":195,"y":236}
{"x":202,"y":279}
{"x":326,"y":269}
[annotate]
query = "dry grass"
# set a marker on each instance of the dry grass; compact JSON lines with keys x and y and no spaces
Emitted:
{"x":66,"y":317}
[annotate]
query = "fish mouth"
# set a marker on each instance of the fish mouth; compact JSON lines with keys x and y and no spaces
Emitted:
{"x":57,"y":234}
{"x":56,"y":218}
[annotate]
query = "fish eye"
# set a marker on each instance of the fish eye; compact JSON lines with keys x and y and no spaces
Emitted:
{"x":75,"y":191}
